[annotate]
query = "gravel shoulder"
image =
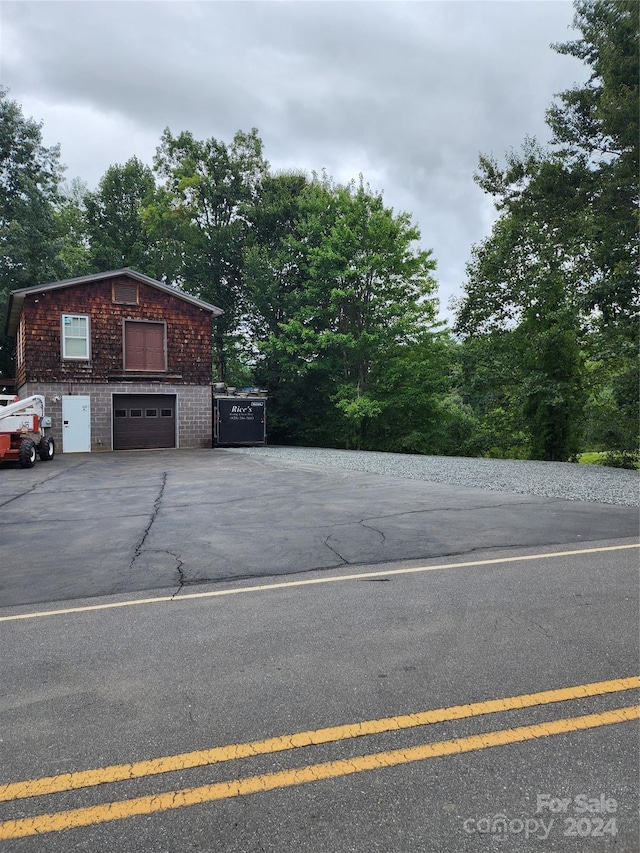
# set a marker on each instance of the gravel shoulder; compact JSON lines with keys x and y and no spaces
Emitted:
{"x":591,"y":483}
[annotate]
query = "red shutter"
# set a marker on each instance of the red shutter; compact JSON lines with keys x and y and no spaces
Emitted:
{"x":154,"y":346}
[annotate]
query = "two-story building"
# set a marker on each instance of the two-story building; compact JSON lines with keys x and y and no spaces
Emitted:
{"x":124,"y":361}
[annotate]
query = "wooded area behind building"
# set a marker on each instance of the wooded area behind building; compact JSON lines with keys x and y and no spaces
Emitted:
{"x":330,"y":301}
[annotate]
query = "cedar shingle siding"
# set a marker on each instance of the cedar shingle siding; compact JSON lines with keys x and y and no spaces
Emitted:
{"x":188,"y":334}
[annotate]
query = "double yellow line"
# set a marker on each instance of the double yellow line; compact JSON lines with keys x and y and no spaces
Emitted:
{"x":310,"y":773}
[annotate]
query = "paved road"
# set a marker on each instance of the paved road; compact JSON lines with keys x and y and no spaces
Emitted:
{"x":184,"y":679}
{"x":377,"y":696}
{"x":99,"y":524}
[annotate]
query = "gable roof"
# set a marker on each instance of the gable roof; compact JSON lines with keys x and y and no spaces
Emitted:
{"x":17,"y":297}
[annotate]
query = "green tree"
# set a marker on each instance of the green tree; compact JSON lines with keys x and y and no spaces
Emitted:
{"x":114,"y":219}
{"x":275,"y":257}
{"x":611,"y":412}
{"x":376,"y":293}
{"x":561,"y":261}
{"x":522,"y":279}
{"x":420,"y":410}
{"x":598,"y":125}
{"x":30,"y":176}
{"x":596,"y":128}
{"x":489,"y":382}
{"x":199,"y":216}
{"x":74,"y":251}
{"x":291,"y":216}
{"x":358,"y":292}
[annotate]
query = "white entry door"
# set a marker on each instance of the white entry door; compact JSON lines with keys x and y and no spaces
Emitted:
{"x":76,"y":424}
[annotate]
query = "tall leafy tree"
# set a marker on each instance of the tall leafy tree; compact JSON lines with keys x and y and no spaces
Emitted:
{"x":114,"y":219}
{"x":561,"y":261}
{"x":200,"y":214}
{"x":596,"y":129}
{"x":597,"y":126}
{"x":30,"y":176}
{"x":275,"y":255}
{"x":361,"y":292}
{"x":291,"y":216}
{"x":489,"y":383}
{"x":374,"y":289}
{"x":74,"y":252}
{"x":525,"y":278}
{"x":420,"y":409}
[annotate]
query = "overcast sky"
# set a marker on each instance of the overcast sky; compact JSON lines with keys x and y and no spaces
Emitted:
{"x":406,"y":93}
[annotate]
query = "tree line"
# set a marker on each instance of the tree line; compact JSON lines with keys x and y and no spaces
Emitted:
{"x":330,"y":302}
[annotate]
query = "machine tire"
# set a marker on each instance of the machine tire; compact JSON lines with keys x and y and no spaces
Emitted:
{"x":27,"y":454}
{"x":46,"y":449}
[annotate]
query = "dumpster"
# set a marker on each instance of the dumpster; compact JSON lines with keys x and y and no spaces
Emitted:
{"x":239,"y":420}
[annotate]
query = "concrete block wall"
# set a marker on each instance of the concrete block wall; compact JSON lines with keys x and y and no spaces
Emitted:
{"x":194,"y":409}
{"x":195,"y":415}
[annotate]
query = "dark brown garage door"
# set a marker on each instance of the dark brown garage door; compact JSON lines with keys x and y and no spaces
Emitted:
{"x":144,"y":421}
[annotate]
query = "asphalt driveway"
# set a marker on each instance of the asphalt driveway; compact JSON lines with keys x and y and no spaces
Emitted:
{"x":97,"y":524}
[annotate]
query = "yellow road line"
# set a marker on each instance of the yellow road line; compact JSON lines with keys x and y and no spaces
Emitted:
{"x":119,"y":810}
{"x":215,"y":755}
{"x":217,"y":593}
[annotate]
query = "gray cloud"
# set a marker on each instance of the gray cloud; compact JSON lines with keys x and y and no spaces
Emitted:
{"x":408,"y":93}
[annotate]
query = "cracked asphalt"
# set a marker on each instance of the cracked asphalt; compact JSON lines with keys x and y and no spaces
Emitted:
{"x":130,"y":702}
{"x":99,"y":524}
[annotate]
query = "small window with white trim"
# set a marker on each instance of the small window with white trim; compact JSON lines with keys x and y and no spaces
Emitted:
{"x":75,"y":336}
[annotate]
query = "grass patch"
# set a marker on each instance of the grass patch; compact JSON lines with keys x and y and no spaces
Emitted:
{"x":592,"y":458}
{"x":613,"y":460}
